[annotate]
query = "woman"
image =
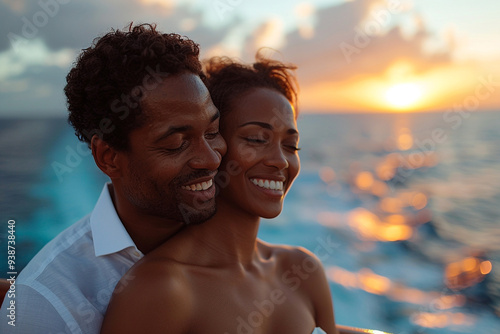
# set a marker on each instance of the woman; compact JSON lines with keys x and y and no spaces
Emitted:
{"x":217,"y":277}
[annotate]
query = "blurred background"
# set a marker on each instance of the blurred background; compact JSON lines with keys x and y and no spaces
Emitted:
{"x":399,"y":192}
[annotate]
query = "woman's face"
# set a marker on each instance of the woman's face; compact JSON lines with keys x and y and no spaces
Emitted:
{"x":262,"y":158}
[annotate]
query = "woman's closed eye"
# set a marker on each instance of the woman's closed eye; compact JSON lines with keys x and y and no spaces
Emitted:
{"x":255,"y":140}
{"x":259,"y":140}
{"x":293,"y":147}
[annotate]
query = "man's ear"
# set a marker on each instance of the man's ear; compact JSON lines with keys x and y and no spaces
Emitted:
{"x":106,"y":157}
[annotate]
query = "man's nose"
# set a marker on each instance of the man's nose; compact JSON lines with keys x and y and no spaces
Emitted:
{"x":209,"y":154}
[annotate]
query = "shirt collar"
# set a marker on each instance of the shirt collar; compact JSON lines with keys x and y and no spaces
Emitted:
{"x":108,"y":232}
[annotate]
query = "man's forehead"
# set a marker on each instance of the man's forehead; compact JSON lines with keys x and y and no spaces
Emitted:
{"x":181,"y":88}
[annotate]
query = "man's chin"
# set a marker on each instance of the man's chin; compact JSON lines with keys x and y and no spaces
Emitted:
{"x":196,"y":216}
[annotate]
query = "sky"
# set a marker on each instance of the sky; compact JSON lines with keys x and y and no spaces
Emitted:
{"x":352,"y":55}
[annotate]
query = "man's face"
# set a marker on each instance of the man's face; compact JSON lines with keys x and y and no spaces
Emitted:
{"x":174,"y":156}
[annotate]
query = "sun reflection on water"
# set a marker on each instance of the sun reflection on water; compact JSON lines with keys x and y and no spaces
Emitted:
{"x":365,"y":279}
{"x":466,"y":272}
{"x":385,"y":207}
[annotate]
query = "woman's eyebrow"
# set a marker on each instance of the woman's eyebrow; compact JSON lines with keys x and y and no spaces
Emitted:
{"x":264,"y":125}
{"x":261,"y":124}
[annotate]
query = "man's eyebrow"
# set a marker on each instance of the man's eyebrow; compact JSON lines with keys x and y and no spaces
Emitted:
{"x":215,"y":117}
{"x":290,"y":131}
{"x":179,"y":129}
{"x":173,"y":130}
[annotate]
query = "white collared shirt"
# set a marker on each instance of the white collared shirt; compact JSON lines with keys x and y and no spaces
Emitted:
{"x":66,"y":287}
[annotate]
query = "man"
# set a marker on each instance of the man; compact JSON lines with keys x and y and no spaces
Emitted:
{"x":137,"y":99}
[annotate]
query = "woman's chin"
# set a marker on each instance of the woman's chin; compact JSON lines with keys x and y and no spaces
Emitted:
{"x":270,"y":215}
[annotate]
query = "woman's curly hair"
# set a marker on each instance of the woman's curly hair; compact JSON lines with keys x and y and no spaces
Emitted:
{"x":228,"y":80}
{"x":105,"y":86}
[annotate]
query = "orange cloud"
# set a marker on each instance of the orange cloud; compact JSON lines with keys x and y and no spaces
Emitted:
{"x":356,"y":56}
{"x":269,"y":34}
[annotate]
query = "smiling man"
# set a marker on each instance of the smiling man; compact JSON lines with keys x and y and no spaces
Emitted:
{"x":137,"y":98}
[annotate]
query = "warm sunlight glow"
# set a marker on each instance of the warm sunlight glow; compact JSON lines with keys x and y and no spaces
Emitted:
{"x":467,"y":272}
{"x":370,"y":227}
{"x":165,"y":6}
{"x":364,"y":180}
{"x":405,"y":139}
{"x":402,"y":90}
{"x":403,"y":95}
{"x":485,"y":267}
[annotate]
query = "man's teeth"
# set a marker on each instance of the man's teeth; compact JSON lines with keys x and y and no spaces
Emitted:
{"x":268,"y":184}
{"x":198,"y":186}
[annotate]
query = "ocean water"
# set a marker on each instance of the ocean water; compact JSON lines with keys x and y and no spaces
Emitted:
{"x":402,"y":209}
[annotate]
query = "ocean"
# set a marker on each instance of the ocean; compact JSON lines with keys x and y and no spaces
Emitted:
{"x":402,"y":209}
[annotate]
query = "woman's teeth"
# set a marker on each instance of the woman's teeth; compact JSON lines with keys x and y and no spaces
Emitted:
{"x":198,"y":186}
{"x":268,"y":184}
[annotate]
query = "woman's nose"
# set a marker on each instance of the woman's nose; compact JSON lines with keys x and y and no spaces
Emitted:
{"x":277,"y":158}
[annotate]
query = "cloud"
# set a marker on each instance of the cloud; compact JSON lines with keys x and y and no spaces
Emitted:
{"x":42,"y":39}
{"x":355,"y":38}
{"x":269,"y":34}
{"x":335,"y":47}
{"x":356,"y":50}
{"x":74,"y":24}
{"x":305,"y":14}
{"x":8,"y":19}
{"x":36,"y":92}
{"x":35,"y":53}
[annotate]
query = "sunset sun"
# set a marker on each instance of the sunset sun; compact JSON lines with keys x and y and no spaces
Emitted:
{"x":403,"y":95}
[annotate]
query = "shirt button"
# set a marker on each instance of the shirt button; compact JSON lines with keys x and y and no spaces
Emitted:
{"x":136,"y":254}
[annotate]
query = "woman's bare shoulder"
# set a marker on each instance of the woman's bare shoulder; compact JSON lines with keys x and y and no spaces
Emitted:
{"x":304,"y":270}
{"x":160,"y":295}
{"x":287,"y":254}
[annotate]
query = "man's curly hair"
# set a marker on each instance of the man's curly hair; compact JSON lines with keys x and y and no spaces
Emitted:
{"x":227,"y":80}
{"x":105,"y":86}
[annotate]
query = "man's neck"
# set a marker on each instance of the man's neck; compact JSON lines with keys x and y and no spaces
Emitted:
{"x":147,"y":232}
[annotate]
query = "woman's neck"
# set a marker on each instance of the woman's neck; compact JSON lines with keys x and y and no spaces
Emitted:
{"x":228,"y":238}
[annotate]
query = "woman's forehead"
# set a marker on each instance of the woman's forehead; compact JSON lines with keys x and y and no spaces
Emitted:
{"x":263,"y":104}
